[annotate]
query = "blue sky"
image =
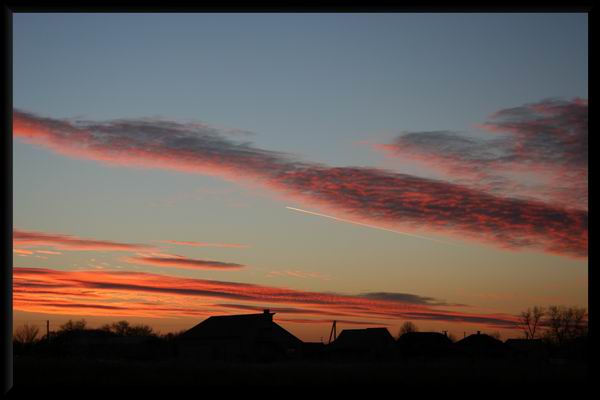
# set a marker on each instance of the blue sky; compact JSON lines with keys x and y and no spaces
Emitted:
{"x":302,"y":82}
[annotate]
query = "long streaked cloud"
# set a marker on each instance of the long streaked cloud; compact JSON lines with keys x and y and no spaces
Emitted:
{"x":408,"y":298}
{"x":365,"y":194}
{"x":23,"y":238}
{"x":176,"y":261}
{"x":117,"y":293}
{"x":537,"y":150}
{"x":329,"y":321}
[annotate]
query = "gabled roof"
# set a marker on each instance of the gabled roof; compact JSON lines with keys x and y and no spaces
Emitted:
{"x":479,"y":340}
{"x":248,"y":327}
{"x":363,"y":337}
{"x":481,"y":344}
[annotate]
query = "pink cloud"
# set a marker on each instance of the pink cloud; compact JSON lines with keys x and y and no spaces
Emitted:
{"x":23,"y":238}
{"x":538,"y":150}
{"x":366,"y":194}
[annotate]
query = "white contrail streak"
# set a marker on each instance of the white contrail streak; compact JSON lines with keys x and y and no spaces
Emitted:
{"x":362,"y":224}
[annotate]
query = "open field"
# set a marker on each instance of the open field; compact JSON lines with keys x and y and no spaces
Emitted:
{"x":30,"y":371}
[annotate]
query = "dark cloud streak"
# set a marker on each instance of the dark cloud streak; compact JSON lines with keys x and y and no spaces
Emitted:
{"x":369,"y":194}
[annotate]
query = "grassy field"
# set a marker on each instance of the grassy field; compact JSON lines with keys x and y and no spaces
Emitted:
{"x":30,"y":371}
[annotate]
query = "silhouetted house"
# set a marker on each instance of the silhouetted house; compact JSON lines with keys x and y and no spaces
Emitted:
{"x":251,"y":337}
{"x":480,"y":345}
{"x":369,"y":343}
{"x":526,"y":348}
{"x":424,"y":344}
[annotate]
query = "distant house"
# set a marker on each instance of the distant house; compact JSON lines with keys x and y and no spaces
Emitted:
{"x":369,"y":343}
{"x":480,"y":345}
{"x":424,"y":344}
{"x":526,"y":348}
{"x":251,"y":337}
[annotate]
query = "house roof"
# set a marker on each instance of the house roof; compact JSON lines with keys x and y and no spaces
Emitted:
{"x":247,"y":327}
{"x":481,"y":344}
{"x":479,"y":339}
{"x":363,"y":337}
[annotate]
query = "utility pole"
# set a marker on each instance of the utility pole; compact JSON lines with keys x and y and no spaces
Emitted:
{"x":333,"y":332}
{"x":48,"y":329}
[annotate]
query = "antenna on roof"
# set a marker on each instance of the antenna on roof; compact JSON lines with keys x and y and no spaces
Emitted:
{"x":333,"y":332}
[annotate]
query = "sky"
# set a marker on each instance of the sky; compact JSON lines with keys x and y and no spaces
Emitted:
{"x":162,"y":164}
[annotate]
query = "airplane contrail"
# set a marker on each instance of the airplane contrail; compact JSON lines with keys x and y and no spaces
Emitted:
{"x":363,"y":224}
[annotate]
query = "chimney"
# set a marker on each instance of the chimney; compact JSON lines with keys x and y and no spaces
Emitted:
{"x":479,"y":332}
{"x":268,"y":314}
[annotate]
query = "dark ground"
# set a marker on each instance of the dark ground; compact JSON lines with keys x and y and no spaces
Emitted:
{"x":32,"y":371}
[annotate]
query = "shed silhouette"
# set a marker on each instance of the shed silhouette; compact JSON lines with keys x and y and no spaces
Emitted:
{"x":249,"y":337}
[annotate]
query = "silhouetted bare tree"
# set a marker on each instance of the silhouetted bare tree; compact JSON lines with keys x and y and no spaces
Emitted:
{"x":530,"y":320}
{"x":26,"y":334}
{"x":71,"y":325}
{"x":408,"y":327}
{"x":121,"y":328}
{"x":140,"y":330}
{"x":124,"y":328}
{"x":566,"y":323}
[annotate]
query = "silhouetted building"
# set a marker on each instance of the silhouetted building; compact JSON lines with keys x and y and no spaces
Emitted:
{"x":251,"y":337}
{"x":526,"y":348}
{"x":424,"y":344}
{"x":480,"y":345}
{"x":369,"y":343}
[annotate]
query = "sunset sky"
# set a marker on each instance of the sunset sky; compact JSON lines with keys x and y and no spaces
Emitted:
{"x":161,"y":163}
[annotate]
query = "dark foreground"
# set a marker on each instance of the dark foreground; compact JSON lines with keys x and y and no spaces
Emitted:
{"x":34,"y":371}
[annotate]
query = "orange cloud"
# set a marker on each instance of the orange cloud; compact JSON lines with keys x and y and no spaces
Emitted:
{"x":23,"y":238}
{"x":22,"y":251}
{"x":117,"y":293}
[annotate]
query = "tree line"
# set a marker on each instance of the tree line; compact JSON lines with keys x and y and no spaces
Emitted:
{"x":554,"y":325}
